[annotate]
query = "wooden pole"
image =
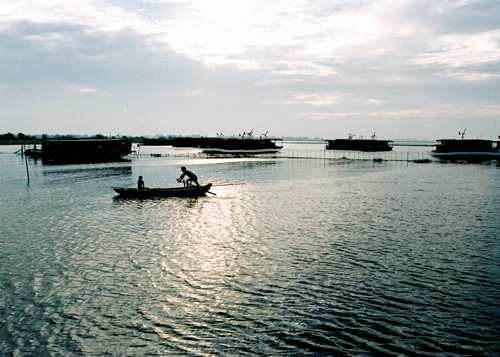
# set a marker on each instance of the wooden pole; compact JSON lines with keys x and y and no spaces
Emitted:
{"x":27,"y":168}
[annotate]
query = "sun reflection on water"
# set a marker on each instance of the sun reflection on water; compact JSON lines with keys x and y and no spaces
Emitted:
{"x":210,"y":229}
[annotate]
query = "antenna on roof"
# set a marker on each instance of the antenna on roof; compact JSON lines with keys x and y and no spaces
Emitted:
{"x":264,"y":135}
{"x":462,"y":133}
{"x":373,"y":136}
{"x":351,"y":136}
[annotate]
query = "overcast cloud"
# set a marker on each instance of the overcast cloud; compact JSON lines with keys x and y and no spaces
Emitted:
{"x":402,"y":68}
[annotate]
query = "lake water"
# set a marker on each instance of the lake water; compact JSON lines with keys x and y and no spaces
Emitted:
{"x":291,"y":257}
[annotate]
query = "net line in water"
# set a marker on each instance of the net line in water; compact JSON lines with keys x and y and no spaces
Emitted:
{"x":406,"y":156}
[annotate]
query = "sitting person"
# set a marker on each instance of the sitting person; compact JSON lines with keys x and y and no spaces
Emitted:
{"x":191,"y":177}
{"x":140,"y":183}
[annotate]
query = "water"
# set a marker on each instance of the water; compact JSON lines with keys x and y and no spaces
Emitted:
{"x":416,"y":151}
{"x":290,"y":258}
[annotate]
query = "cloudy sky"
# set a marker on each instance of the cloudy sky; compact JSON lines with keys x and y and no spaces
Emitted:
{"x":417,"y":69}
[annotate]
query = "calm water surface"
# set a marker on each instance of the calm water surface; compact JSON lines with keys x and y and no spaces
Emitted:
{"x":290,"y":258}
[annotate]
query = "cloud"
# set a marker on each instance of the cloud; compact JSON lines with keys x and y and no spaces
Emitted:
{"x":287,"y":37}
{"x":401,"y":113}
{"x":452,"y":111}
{"x":323,"y":99}
{"x":276,"y":35}
{"x":280,"y":63}
{"x":305,"y":38}
{"x":461,"y":50}
{"x":86,"y":90}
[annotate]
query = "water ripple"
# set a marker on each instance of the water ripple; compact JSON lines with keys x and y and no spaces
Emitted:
{"x":360,"y":261}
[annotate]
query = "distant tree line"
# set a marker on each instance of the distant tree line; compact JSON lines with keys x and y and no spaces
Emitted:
{"x":20,"y":137}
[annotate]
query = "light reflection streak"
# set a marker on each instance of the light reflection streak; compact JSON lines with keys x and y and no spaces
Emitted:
{"x":202,"y":249}
{"x":212,"y":230}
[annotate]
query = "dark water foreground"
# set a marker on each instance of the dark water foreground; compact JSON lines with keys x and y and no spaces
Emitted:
{"x":291,"y":258}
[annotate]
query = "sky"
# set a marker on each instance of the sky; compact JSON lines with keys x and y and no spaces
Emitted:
{"x":403,"y":69}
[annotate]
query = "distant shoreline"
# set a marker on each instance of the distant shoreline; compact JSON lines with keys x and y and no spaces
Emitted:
{"x":301,"y":141}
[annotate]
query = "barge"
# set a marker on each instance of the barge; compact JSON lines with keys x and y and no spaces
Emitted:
{"x":359,"y":144}
{"x":466,"y":149}
{"x":82,"y":150}
{"x":244,"y":144}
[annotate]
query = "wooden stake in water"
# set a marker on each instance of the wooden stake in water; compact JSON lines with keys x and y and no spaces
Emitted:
{"x":26,"y":160}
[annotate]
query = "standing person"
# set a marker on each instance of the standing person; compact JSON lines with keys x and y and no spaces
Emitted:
{"x":191,"y":177}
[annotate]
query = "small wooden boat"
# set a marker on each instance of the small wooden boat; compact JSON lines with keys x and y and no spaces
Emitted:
{"x":192,"y":191}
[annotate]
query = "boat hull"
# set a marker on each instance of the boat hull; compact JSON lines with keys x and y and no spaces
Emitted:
{"x":467,"y":156}
{"x":371,"y":145}
{"x":215,"y":151}
{"x":193,"y":191}
{"x":466,"y":150}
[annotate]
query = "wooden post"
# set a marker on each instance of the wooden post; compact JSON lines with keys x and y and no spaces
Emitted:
{"x":26,"y":160}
